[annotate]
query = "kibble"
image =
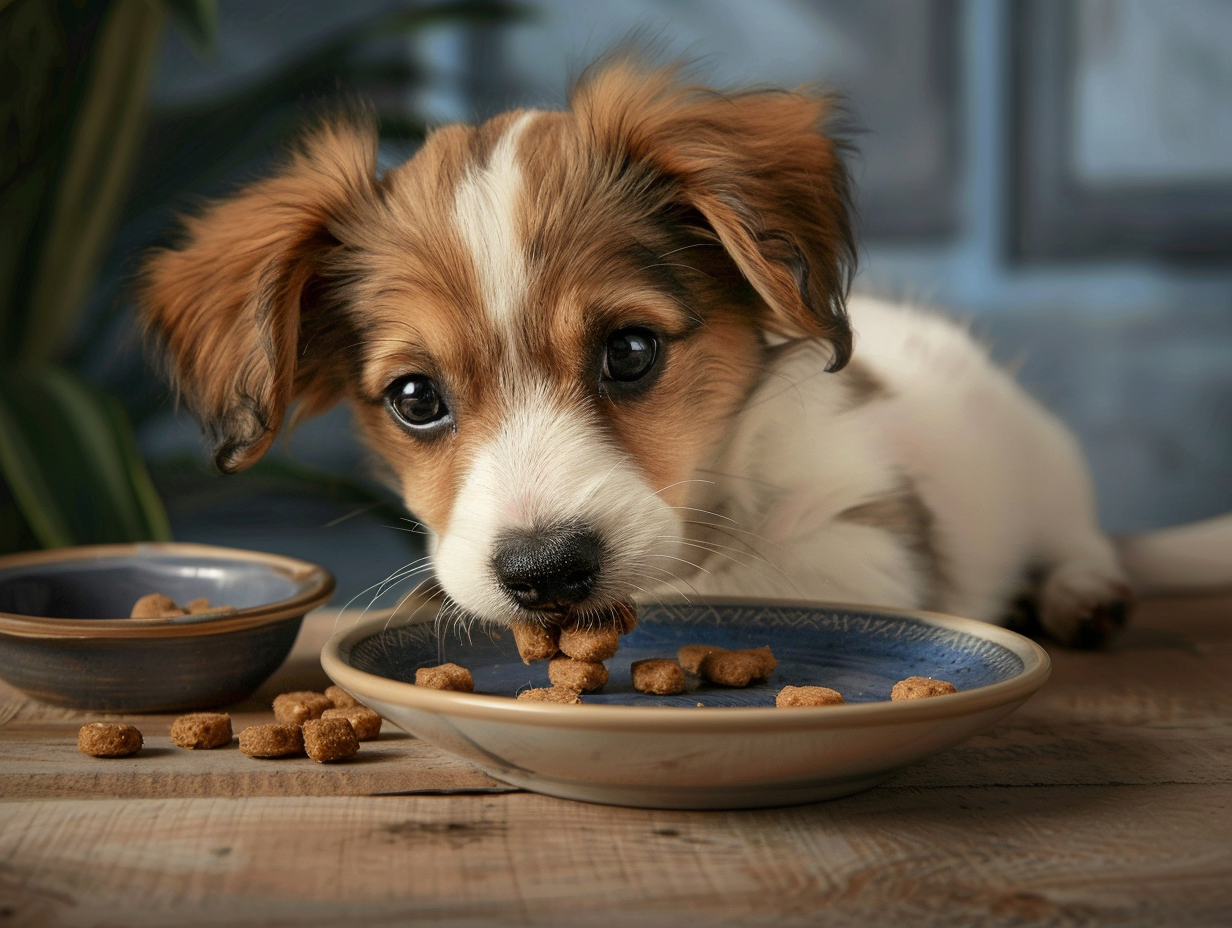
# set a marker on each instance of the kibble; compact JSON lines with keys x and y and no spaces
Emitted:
{"x":589,"y":642}
{"x":201,"y":730}
{"x":272,"y":740}
{"x":155,"y":606}
{"x":330,"y":740}
{"x":921,"y":688}
{"x":341,"y":698}
{"x":365,"y":721}
{"x":692,"y":655}
{"x":446,"y":677}
{"x":737,"y":668}
{"x":108,"y":739}
{"x":658,"y":675}
{"x":552,"y":694}
{"x":298,"y":707}
{"x":202,"y":605}
{"x":536,"y":642}
{"x":790,"y":697}
{"x":579,"y":676}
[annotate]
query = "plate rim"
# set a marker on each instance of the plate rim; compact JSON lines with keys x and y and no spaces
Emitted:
{"x":1037,"y":667}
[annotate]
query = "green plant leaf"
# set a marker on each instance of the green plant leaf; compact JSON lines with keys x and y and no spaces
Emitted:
{"x":70,"y":463}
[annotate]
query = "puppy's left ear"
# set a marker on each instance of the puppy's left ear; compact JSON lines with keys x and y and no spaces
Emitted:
{"x":761,"y":170}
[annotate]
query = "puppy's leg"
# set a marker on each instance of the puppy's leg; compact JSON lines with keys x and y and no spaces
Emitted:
{"x":1084,"y":595}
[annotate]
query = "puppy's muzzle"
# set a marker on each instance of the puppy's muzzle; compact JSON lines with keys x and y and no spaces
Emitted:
{"x":547,"y":569}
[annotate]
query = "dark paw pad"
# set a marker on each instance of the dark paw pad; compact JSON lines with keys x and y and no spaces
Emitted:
{"x":1102,"y":625}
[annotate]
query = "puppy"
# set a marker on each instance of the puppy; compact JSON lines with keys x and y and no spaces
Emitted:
{"x":609,"y":352}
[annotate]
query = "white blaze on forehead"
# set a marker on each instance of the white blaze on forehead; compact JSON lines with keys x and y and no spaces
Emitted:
{"x":549,"y":465}
{"x":486,"y":215}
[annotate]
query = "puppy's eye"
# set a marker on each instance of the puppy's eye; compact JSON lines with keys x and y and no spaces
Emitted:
{"x":630,"y":355}
{"x":416,"y":402}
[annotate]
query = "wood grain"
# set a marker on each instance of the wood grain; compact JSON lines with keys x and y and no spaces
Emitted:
{"x":1106,"y":800}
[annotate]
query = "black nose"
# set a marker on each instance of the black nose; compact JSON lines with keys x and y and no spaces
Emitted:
{"x":548,"y":568}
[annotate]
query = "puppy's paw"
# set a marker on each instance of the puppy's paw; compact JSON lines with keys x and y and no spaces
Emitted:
{"x":1084,"y":606}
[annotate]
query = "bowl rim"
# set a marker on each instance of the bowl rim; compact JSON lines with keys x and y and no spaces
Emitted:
{"x":316,"y":585}
{"x":1037,"y":667}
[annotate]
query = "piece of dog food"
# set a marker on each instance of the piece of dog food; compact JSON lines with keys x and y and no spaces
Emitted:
{"x":658,"y":675}
{"x":298,"y":707}
{"x":792,"y":696}
{"x":579,"y":676}
{"x":446,"y":677}
{"x":272,"y":740}
{"x":108,"y":739}
{"x":552,"y":694}
{"x":737,"y":668}
{"x":202,"y":605}
{"x":589,"y":642}
{"x":201,"y":730}
{"x":330,"y":740}
{"x":536,"y":642}
{"x":365,"y":721}
{"x":625,"y":616}
{"x":692,"y":655}
{"x":155,"y":606}
{"x":921,"y":688}
{"x":341,"y":698}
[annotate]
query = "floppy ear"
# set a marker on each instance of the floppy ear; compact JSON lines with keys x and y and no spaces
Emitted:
{"x":760,"y":169}
{"x":241,"y":307}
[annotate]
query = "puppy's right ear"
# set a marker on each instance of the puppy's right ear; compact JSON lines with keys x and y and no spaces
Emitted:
{"x":230,"y":305}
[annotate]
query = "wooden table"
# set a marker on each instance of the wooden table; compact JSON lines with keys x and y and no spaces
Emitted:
{"x":1107,"y":799}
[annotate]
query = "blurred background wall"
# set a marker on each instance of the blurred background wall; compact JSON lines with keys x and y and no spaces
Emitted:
{"x":1059,"y":173}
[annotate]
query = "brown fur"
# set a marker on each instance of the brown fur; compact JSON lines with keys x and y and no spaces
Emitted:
{"x":712,"y":218}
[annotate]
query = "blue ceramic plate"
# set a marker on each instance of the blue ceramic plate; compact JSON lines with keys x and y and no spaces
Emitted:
{"x":861,"y":654}
{"x":735,"y":750}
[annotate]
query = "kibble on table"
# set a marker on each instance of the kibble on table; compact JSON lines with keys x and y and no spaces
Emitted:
{"x":297,"y":707}
{"x":272,"y":740}
{"x":108,"y":739}
{"x":365,"y":721}
{"x":330,"y":740}
{"x":201,"y":730}
{"x":341,"y":698}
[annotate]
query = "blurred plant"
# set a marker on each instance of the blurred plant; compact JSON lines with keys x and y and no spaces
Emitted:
{"x":76,"y":76}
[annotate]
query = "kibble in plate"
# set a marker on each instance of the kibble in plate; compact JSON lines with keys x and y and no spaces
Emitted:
{"x":552,"y":694}
{"x":202,"y":605}
{"x":737,"y":668}
{"x":108,"y":739}
{"x":921,"y":688}
{"x":155,"y":606}
{"x":589,"y":642}
{"x":579,"y":676}
{"x":202,"y":730}
{"x":793,"y":696}
{"x":298,"y":707}
{"x":625,"y":616}
{"x":536,"y":642}
{"x":341,"y":698}
{"x":329,"y":740}
{"x":658,"y":675}
{"x":272,"y":740}
{"x":365,"y":721}
{"x":446,"y":677}
{"x":692,"y":655}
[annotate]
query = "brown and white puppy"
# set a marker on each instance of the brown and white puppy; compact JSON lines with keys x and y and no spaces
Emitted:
{"x":605,"y":352}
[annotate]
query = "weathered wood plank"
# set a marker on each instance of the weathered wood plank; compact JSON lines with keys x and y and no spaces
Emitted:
{"x":1052,"y":855}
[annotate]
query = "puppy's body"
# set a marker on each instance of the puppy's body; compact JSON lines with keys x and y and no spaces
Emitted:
{"x":921,"y":476}
{"x":604,"y":352}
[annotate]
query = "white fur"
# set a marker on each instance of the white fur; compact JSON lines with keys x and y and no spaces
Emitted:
{"x":1004,"y":481}
{"x":485,"y":214}
{"x":548,"y":464}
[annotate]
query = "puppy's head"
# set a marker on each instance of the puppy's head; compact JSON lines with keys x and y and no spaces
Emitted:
{"x":545,"y":324}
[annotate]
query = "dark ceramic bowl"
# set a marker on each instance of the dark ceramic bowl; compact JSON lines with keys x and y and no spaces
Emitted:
{"x":64,"y":638}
